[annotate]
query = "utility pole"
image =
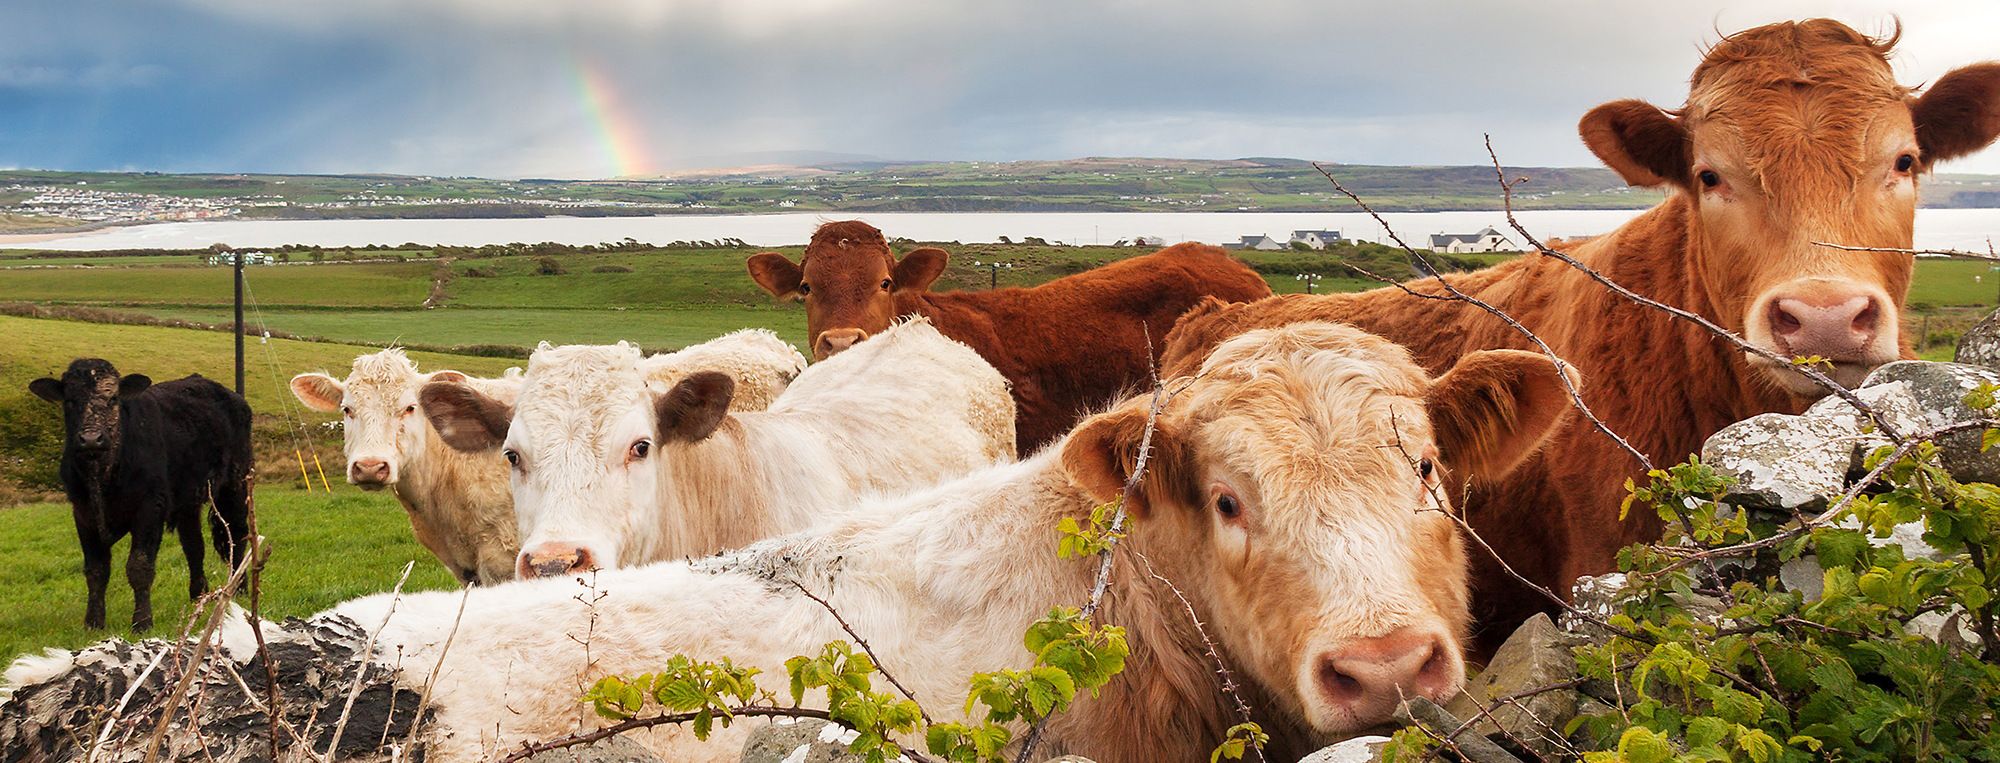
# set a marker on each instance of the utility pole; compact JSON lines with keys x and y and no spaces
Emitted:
{"x":993,"y":272}
{"x":238,"y":257}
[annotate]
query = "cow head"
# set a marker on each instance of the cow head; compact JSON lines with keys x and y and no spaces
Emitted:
{"x":1298,"y":492}
{"x":588,"y":441}
{"x":848,"y":279}
{"x":379,"y":413}
{"x":90,"y":392}
{"x":1796,"y":134}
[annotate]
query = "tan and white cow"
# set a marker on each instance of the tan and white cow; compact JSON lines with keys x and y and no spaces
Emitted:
{"x":612,"y":470}
{"x":459,"y":503}
{"x":1292,"y":497}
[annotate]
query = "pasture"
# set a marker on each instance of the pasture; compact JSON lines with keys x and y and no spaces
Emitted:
{"x":332,"y":547}
{"x":324,"y":549}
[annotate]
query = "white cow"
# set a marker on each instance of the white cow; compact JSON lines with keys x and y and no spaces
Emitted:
{"x":459,"y":503}
{"x":611,"y":470}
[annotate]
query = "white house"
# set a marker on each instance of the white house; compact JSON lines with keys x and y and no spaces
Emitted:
{"x":1258,"y":242}
{"x":1316,"y":239}
{"x":1486,"y":240}
{"x":1149,"y":241}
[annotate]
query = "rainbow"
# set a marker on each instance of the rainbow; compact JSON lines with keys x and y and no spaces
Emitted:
{"x":619,"y":132}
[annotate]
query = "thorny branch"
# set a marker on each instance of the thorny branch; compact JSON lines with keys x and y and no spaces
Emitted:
{"x":1161,"y":396}
{"x":880,"y":667}
{"x":1223,"y":675}
{"x":528,"y":750}
{"x":1955,"y":254}
{"x":367,"y":650}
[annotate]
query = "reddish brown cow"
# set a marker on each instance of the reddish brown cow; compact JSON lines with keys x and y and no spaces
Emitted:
{"x":1066,"y":346}
{"x":1793,"y":133}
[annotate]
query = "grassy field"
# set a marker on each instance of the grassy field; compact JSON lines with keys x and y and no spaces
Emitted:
{"x":365,"y":285}
{"x":454,"y":326}
{"x":324,"y":549}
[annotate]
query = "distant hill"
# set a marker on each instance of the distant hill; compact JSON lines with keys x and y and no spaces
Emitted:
{"x":818,"y":182}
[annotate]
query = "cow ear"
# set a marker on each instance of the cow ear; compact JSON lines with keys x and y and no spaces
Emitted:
{"x":464,"y":419}
{"x":1102,"y":452}
{"x":47,"y":389}
{"x":1644,"y":145}
{"x":776,"y":274}
{"x":133,"y":384}
{"x":1494,"y":409}
{"x":318,"y":391}
{"x":695,"y":407}
{"x":919,"y":268}
{"x":447,"y":376}
{"x":1959,"y":114}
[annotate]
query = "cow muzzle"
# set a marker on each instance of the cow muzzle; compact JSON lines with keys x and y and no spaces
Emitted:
{"x":832,"y":341}
{"x":1850,"y":327}
{"x":370,"y":473}
{"x":549,"y":560}
{"x":1362,"y":680}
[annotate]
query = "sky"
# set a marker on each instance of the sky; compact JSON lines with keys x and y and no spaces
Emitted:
{"x":604,"y":88}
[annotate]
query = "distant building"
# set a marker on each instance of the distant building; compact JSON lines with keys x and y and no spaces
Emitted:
{"x":1486,"y":240}
{"x":1260,"y":243}
{"x":1317,"y":239}
{"x":249,"y":258}
{"x":1150,"y":241}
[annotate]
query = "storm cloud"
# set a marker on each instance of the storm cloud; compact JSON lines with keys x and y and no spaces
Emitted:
{"x":598,"y":87}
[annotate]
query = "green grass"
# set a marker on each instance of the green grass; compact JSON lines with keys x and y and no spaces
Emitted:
{"x":455,"y":326}
{"x":324,"y":550}
{"x":372,"y":285}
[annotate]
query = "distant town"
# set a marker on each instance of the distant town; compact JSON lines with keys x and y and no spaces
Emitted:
{"x":40,"y":200}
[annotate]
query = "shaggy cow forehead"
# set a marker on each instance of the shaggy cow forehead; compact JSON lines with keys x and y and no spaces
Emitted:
{"x":574,"y":394}
{"x":91,"y":378}
{"x":385,"y":373}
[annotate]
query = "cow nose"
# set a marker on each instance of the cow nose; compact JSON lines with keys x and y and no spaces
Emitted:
{"x":1840,"y":326}
{"x":554,"y":559}
{"x":368,"y":471}
{"x":92,"y":440}
{"x":833,"y":341}
{"x":1368,"y":677}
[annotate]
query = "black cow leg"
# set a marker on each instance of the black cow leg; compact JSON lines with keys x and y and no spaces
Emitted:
{"x":139,"y":571}
{"x":96,"y":575}
{"x":189,"y":530}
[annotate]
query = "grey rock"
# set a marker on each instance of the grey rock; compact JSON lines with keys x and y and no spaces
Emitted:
{"x":1537,"y":655}
{"x":1362,"y":749}
{"x":1804,"y":576}
{"x":1583,"y":738}
{"x":610,"y":750}
{"x":1918,"y":396}
{"x":1599,"y":596}
{"x":789,"y":740}
{"x":1417,"y":711}
{"x":1980,"y":345}
{"x":1785,"y":463}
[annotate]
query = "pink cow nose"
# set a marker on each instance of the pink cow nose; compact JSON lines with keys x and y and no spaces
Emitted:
{"x":833,"y":341}
{"x":1837,"y":326}
{"x":368,"y":472}
{"x":1367,"y":677}
{"x":555,"y":559}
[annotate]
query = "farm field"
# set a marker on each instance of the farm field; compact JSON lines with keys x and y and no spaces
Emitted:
{"x":325,"y":549}
{"x":456,"y":326}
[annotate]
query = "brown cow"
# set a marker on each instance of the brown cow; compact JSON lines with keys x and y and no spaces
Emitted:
{"x":1066,"y":346}
{"x":1793,"y":133}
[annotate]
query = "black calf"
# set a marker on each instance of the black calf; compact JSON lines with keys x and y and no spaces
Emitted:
{"x":140,"y":458}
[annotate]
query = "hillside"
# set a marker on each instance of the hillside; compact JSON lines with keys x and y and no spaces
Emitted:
{"x":32,"y":200}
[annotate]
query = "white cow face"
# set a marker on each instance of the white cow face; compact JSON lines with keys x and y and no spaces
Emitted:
{"x":584,"y":442}
{"x":379,"y":413}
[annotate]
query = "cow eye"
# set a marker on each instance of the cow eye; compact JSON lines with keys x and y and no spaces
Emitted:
{"x":513,"y":459}
{"x":888,"y":284}
{"x":1425,"y":469}
{"x":805,"y":288}
{"x":1906,"y":162}
{"x":639,"y":450}
{"x":346,"y":411}
{"x":1709,"y":178}
{"x":409,"y":409}
{"x":1228,"y":506}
